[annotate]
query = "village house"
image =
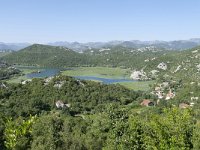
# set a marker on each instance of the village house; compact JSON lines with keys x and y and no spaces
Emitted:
{"x":169,"y":95}
{"x":184,"y":105}
{"x":160,"y":94}
{"x":147,"y":102}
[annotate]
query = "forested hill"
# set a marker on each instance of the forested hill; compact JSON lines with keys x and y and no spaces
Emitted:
{"x":182,"y":64}
{"x":7,"y":71}
{"x":151,"y":62}
{"x":83,"y":96}
{"x":44,"y":55}
{"x":148,"y":60}
{"x":54,"y":56}
{"x":64,"y":113}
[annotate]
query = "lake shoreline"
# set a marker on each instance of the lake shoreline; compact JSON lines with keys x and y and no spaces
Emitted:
{"x":104,"y":75}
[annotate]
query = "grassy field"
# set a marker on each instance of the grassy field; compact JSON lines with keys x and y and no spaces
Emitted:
{"x":140,"y":85}
{"x":102,"y":72}
{"x":112,"y":73}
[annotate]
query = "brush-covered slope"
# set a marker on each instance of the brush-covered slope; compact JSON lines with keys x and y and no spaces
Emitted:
{"x":184,"y":64}
{"x":54,"y":56}
{"x":178,"y":63}
{"x":119,"y":56}
{"x":44,"y":55}
{"x":7,"y":71}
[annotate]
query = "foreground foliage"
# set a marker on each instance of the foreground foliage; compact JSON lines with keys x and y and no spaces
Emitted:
{"x":100,"y":117}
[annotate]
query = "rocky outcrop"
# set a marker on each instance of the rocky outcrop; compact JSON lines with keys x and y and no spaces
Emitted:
{"x":198,"y":67}
{"x":61,"y":104}
{"x":26,"y":81}
{"x":162,"y":66}
{"x":59,"y":84}
{"x":138,"y":75}
{"x":2,"y":85}
{"x":47,"y":80}
{"x":177,"y":69}
{"x":154,"y":73}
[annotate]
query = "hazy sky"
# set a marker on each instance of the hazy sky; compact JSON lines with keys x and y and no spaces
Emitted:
{"x":98,"y":20}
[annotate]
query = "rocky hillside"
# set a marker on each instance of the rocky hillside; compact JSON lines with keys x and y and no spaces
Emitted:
{"x":184,"y":64}
{"x":7,"y":71}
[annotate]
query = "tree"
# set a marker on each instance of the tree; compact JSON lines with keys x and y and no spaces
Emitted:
{"x":18,"y":132}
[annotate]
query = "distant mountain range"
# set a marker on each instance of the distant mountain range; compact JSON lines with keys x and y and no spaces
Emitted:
{"x":13,"y":46}
{"x":169,"y":45}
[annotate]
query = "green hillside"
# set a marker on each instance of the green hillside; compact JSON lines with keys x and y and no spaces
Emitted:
{"x":7,"y":71}
{"x":124,"y":57}
{"x":65,"y":113}
{"x":179,"y":63}
{"x":182,"y":64}
{"x":48,"y":56}
{"x":93,"y":115}
{"x":52,"y":56}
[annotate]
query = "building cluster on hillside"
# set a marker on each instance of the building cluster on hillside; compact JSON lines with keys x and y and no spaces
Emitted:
{"x":160,"y":89}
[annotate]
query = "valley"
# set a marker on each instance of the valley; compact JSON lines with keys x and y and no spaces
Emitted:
{"x":99,"y":75}
{"x":110,"y":91}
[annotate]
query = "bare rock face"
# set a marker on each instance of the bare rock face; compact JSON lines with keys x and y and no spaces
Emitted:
{"x":26,"y":81}
{"x":162,"y":66}
{"x":2,"y":85}
{"x":154,"y":72}
{"x":61,"y":104}
{"x":47,"y":80}
{"x":138,"y":75}
{"x":198,"y":67}
{"x":177,"y":69}
{"x":59,"y":84}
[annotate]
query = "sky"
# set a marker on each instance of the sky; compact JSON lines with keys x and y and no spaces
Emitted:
{"x":42,"y":21}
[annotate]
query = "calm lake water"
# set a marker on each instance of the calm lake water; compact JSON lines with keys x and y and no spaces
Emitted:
{"x":44,"y":73}
{"x":52,"y":72}
{"x":103,"y":80}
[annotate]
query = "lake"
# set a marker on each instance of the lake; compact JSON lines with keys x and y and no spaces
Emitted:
{"x":52,"y":72}
{"x":103,"y":80}
{"x":43,"y":73}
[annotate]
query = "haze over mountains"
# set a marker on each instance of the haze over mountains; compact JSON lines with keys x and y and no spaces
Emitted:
{"x":77,"y":46}
{"x":13,"y":46}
